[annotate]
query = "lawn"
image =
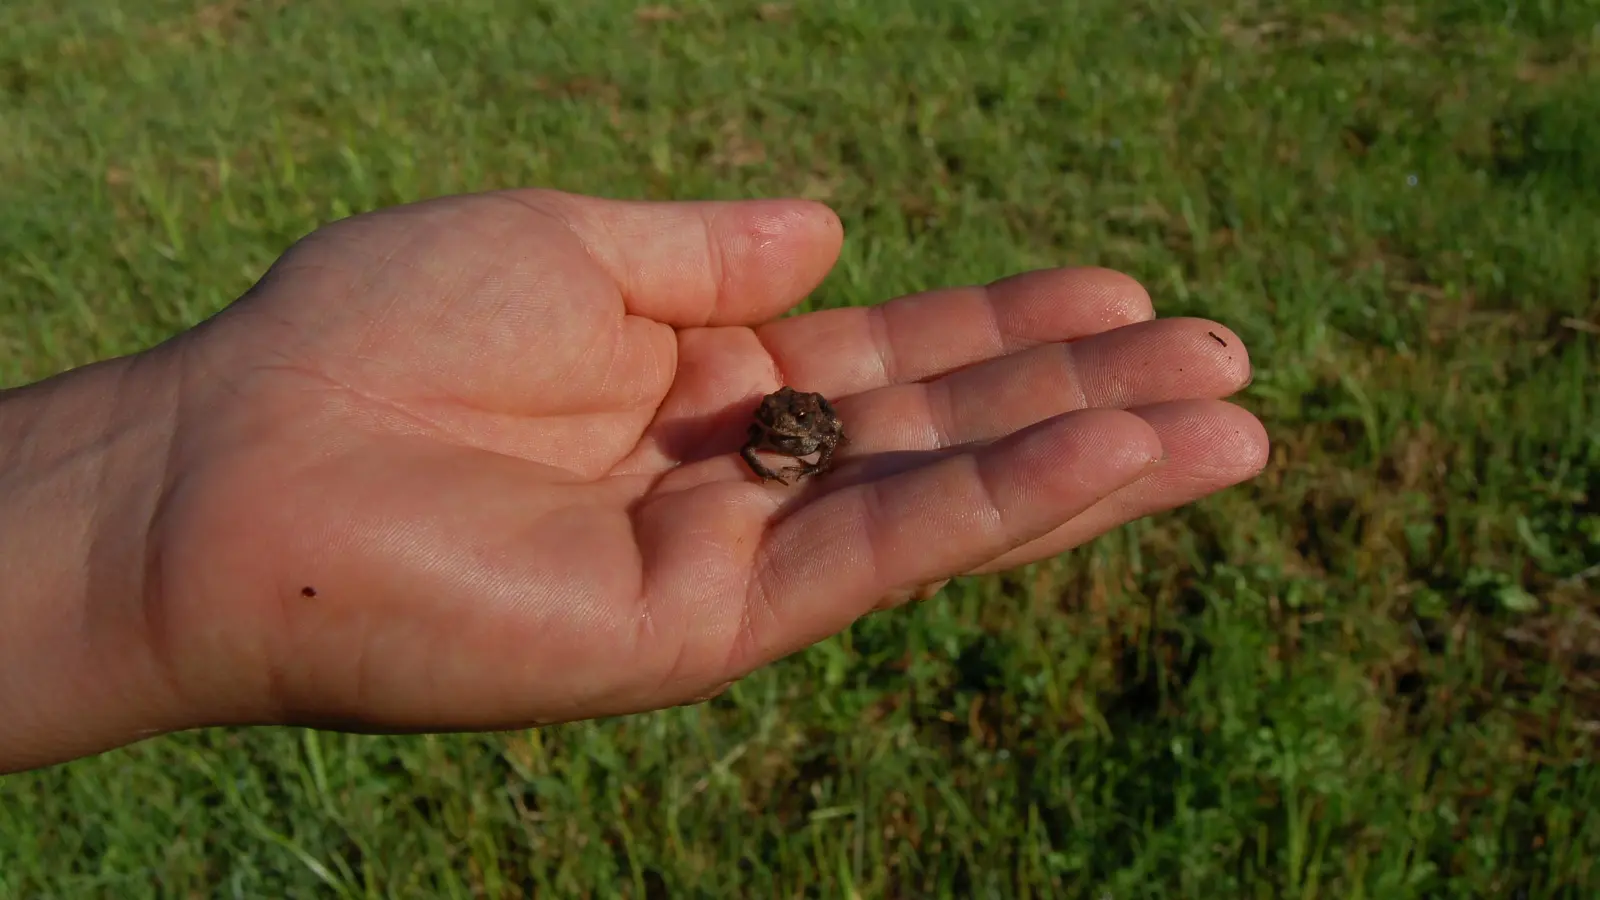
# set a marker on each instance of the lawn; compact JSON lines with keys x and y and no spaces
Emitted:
{"x":1373,"y":672}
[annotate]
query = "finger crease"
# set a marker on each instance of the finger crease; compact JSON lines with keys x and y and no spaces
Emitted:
{"x":879,"y":334}
{"x":997,"y":332}
{"x":778,"y":371}
{"x":989,"y":502}
{"x":757,"y":595}
{"x":717,"y":268}
{"x":939,"y":411}
{"x":875,"y":523}
{"x":1069,"y":356}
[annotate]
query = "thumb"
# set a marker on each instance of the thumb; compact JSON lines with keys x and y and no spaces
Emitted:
{"x":701,"y":263}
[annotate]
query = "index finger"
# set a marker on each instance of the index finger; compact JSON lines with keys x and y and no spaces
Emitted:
{"x":839,"y":352}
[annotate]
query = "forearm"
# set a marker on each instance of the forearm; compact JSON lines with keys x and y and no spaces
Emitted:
{"x":82,"y":458}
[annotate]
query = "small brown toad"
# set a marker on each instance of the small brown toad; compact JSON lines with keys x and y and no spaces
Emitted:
{"x":794,"y":423}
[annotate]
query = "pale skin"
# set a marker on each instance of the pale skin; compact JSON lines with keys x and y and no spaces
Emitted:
{"x":474,"y":464}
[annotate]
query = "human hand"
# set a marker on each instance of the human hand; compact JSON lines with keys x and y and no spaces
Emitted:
{"x":473,"y":463}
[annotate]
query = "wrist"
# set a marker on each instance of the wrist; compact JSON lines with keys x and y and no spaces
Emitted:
{"x":82,"y":462}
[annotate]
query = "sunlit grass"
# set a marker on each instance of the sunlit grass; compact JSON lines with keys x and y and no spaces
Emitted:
{"x":1373,"y":672}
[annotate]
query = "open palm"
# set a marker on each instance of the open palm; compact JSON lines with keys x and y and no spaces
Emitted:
{"x":473,"y":463}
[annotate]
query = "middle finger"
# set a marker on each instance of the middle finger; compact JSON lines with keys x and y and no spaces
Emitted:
{"x":1136,"y":365}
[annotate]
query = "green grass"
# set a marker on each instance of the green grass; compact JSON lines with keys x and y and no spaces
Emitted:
{"x":1374,"y":672}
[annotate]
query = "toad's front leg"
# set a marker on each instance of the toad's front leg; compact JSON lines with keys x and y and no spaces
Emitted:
{"x":824,"y":463}
{"x":825,"y":458}
{"x":765,"y":474}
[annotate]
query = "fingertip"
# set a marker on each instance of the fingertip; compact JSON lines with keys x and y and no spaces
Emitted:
{"x":1113,"y":433}
{"x":1123,"y":296}
{"x":1070,"y":303}
{"x":696,"y":263}
{"x":772,"y":254}
{"x":783,"y":217}
{"x":1221,"y":344}
{"x":1244,"y":439}
{"x":1085,"y":454}
{"x":1220,"y":441}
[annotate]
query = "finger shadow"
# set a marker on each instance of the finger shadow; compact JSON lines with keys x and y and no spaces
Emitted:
{"x":690,"y":439}
{"x":852,"y":471}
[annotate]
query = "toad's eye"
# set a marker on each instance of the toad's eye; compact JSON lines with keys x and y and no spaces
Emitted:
{"x":800,"y":414}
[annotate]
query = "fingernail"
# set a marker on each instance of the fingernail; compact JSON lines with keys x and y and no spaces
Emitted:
{"x":900,"y":598}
